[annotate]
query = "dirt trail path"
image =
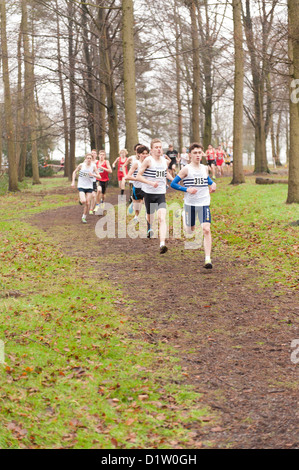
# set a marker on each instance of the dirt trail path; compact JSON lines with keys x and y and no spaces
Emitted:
{"x":233,"y":338}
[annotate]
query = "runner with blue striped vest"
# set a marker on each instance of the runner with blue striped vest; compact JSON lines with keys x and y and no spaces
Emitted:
{"x":197,"y":188}
{"x":153,"y":173}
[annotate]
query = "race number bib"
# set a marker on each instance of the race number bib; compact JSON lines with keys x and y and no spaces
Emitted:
{"x":160,"y":174}
{"x":199,"y":181}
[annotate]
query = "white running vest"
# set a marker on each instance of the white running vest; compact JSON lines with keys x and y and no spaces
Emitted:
{"x":197,"y":178}
{"x":184,"y":159}
{"x":157,"y":171}
{"x":137,"y":184}
{"x":85,"y":181}
{"x":134,"y":158}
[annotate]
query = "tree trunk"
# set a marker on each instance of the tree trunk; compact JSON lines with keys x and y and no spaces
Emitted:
{"x":178,"y":83}
{"x":101,"y":134}
{"x":261,"y":165}
{"x":72,"y":129}
{"x":29,"y":85}
{"x":1,"y":143}
{"x":20,"y":102}
{"x":88,"y":77}
{"x":258,"y":82}
{"x":195,"y":133}
{"x":272,"y":134}
{"x":293,"y":185}
{"x":287,"y":136}
{"x":278,"y":162}
{"x":63,"y":102}
{"x":11,"y":154}
{"x":238,"y":173}
{"x":107,"y":76}
{"x":129,"y":75}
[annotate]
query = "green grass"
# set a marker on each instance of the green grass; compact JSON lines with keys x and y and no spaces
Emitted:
{"x":77,"y":373}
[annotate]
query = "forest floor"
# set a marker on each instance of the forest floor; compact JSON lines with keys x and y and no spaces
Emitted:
{"x":231,"y":334}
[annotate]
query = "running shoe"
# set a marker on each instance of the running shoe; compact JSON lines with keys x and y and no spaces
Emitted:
{"x":135,"y":220}
{"x":208,"y":265}
{"x":131,"y":208}
{"x":96,"y":208}
{"x":84,"y":220}
{"x":163,"y":249}
{"x":150,"y":233}
{"x":90,"y":212}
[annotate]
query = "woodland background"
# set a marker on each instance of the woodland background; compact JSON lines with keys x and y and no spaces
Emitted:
{"x":113,"y":73}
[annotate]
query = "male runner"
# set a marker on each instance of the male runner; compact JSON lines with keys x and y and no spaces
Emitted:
{"x":94,"y":155}
{"x":130,"y":161}
{"x":173,"y":155}
{"x":197,"y":196}
{"x":220,"y":160}
{"x":211,"y":160}
{"x":137,"y":194}
{"x":183,"y":158}
{"x":153,"y":173}
{"x":87,"y":171}
{"x":104,"y":169}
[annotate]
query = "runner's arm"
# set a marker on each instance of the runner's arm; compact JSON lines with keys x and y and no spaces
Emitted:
{"x":212,"y":185}
{"x":114,"y":163}
{"x":175,"y":183}
{"x":130,"y":176}
{"x":129,"y":159}
{"x":108,"y":169}
{"x":74,"y":174}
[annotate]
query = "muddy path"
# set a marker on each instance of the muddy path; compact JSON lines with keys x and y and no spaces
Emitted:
{"x":232,"y":336}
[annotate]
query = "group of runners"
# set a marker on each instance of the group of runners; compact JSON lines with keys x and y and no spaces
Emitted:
{"x":150,"y":172}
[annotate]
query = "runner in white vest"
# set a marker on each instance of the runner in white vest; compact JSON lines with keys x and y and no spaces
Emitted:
{"x":87,"y":172}
{"x":197,"y":188}
{"x":153,"y":173}
{"x":137,"y":193}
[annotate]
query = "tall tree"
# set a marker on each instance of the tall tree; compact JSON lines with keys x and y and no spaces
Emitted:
{"x":258,"y":45}
{"x":63,"y":100}
{"x":29,"y":85}
{"x":293,"y":186}
{"x":195,"y":124}
{"x":11,"y":153}
{"x":88,"y":76}
{"x":238,"y":173}
{"x":178,"y":79}
{"x":129,"y":74}
{"x":107,"y":78}
{"x":72,"y":91}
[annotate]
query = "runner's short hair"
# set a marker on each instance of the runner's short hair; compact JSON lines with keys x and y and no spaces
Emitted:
{"x":155,"y":141}
{"x":195,"y":145}
{"x":142,"y":148}
{"x":135,"y":146}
